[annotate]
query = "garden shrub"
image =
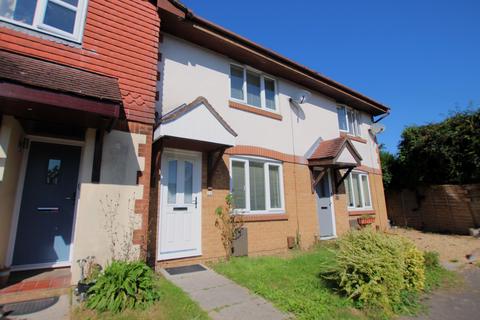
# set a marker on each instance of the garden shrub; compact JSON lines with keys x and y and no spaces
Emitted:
{"x":123,"y":285}
{"x":375,"y":269}
{"x":414,"y":269}
{"x":432,"y":259}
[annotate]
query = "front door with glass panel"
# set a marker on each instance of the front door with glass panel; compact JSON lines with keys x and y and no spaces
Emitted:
{"x":44,"y":229}
{"x":326,"y":220}
{"x":180,"y":210}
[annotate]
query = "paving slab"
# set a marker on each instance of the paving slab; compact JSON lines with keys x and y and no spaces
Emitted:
{"x":224,"y":299}
{"x":59,"y":311}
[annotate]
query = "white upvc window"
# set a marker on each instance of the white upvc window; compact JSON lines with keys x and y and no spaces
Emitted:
{"x":347,"y":120}
{"x":256,"y":185}
{"x":358,"y":191}
{"x":253,"y":88}
{"x":62,"y":18}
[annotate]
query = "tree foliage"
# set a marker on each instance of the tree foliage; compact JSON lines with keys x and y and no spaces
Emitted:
{"x":438,"y":153}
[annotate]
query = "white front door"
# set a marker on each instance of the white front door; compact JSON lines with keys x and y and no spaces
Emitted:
{"x":180,"y":205}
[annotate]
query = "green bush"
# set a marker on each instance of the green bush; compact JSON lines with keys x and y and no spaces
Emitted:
{"x":376,"y":270}
{"x":432,"y":259}
{"x":123,"y":285}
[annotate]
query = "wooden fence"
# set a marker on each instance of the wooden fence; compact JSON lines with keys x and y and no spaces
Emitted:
{"x":439,"y":208}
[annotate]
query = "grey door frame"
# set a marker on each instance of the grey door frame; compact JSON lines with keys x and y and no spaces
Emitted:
{"x":18,"y":202}
{"x":332,"y":208}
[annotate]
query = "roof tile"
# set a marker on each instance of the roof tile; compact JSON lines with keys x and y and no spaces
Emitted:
{"x":328,"y":149}
{"x":48,"y":75}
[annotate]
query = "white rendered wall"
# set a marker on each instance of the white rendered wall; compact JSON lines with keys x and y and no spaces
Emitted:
{"x":189,"y":71}
{"x":116,"y":192}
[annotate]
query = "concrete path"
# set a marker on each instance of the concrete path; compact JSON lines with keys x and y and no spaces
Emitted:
{"x":222,"y":298}
{"x":461,"y":303}
{"x":58,"y":311}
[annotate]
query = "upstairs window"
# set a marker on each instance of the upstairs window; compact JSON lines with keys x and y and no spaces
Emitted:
{"x":347,"y":120}
{"x":358,"y":191}
{"x":253,"y":88}
{"x":64,"y":18}
{"x":257,"y":185}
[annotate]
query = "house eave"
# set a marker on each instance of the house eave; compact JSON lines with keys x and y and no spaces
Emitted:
{"x":204,"y":33}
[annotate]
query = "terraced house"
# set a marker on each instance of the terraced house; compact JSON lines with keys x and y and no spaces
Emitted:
{"x":144,"y":112}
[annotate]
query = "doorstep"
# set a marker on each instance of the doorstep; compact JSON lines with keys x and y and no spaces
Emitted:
{"x":31,"y":285}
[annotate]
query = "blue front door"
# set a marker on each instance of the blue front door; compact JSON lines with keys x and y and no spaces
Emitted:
{"x":44,"y":230}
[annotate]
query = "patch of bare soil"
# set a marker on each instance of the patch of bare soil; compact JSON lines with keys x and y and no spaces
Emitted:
{"x":452,"y":248}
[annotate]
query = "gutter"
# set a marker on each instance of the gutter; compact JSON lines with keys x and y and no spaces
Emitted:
{"x":383,"y":116}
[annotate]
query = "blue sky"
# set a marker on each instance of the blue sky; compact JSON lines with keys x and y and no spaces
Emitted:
{"x":421,"y":58}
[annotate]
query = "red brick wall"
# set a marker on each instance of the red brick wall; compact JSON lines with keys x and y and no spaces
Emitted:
{"x":120,"y":40}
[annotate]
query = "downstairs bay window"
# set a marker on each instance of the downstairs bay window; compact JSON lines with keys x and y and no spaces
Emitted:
{"x":257,"y":185}
{"x":358,"y":191}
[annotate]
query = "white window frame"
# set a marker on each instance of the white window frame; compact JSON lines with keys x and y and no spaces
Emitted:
{"x":356,"y":129}
{"x":39,"y":15}
{"x":266,"y":162}
{"x":263,"y":76}
{"x":362,"y":195}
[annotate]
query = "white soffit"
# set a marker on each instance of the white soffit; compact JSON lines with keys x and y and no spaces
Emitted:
{"x":196,"y":124}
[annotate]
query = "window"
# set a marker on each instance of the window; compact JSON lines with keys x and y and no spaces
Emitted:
{"x":257,"y":185}
{"x":172,"y":182}
{"x":53,"y":171}
{"x":347,"y":120}
{"x":252,"y":88}
{"x":58,"y":17}
{"x":358,"y":191}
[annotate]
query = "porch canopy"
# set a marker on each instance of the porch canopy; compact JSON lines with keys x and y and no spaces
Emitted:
{"x":44,"y":95}
{"x":337,"y":154}
{"x":194,"y":126}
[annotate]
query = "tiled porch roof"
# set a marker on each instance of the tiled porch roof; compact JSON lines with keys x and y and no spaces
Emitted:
{"x":43,"y":74}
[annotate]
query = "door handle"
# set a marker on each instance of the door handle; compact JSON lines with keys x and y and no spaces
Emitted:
{"x":324,"y":207}
{"x":196,"y":202}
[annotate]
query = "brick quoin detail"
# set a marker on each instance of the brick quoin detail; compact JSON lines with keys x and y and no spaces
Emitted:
{"x":141,"y":207}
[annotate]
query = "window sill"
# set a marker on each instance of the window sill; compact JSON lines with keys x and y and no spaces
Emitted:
{"x":255,"y":110}
{"x":353,"y":138}
{"x":248,"y":217}
{"x":360,"y":212}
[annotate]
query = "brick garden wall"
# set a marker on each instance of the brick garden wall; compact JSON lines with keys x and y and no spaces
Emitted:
{"x":440,"y":208}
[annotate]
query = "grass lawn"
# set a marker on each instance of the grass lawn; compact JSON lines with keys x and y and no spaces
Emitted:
{"x":293,"y":284}
{"x":173,"y":304}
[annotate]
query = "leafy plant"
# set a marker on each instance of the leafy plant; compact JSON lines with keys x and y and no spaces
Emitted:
{"x":123,"y":285}
{"x":432,"y":259}
{"x":376,"y":270}
{"x":229,"y":224}
{"x":119,"y":235}
{"x":436,"y":153}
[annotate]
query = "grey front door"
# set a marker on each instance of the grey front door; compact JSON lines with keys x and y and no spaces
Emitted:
{"x":324,"y":208}
{"x":44,"y":230}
